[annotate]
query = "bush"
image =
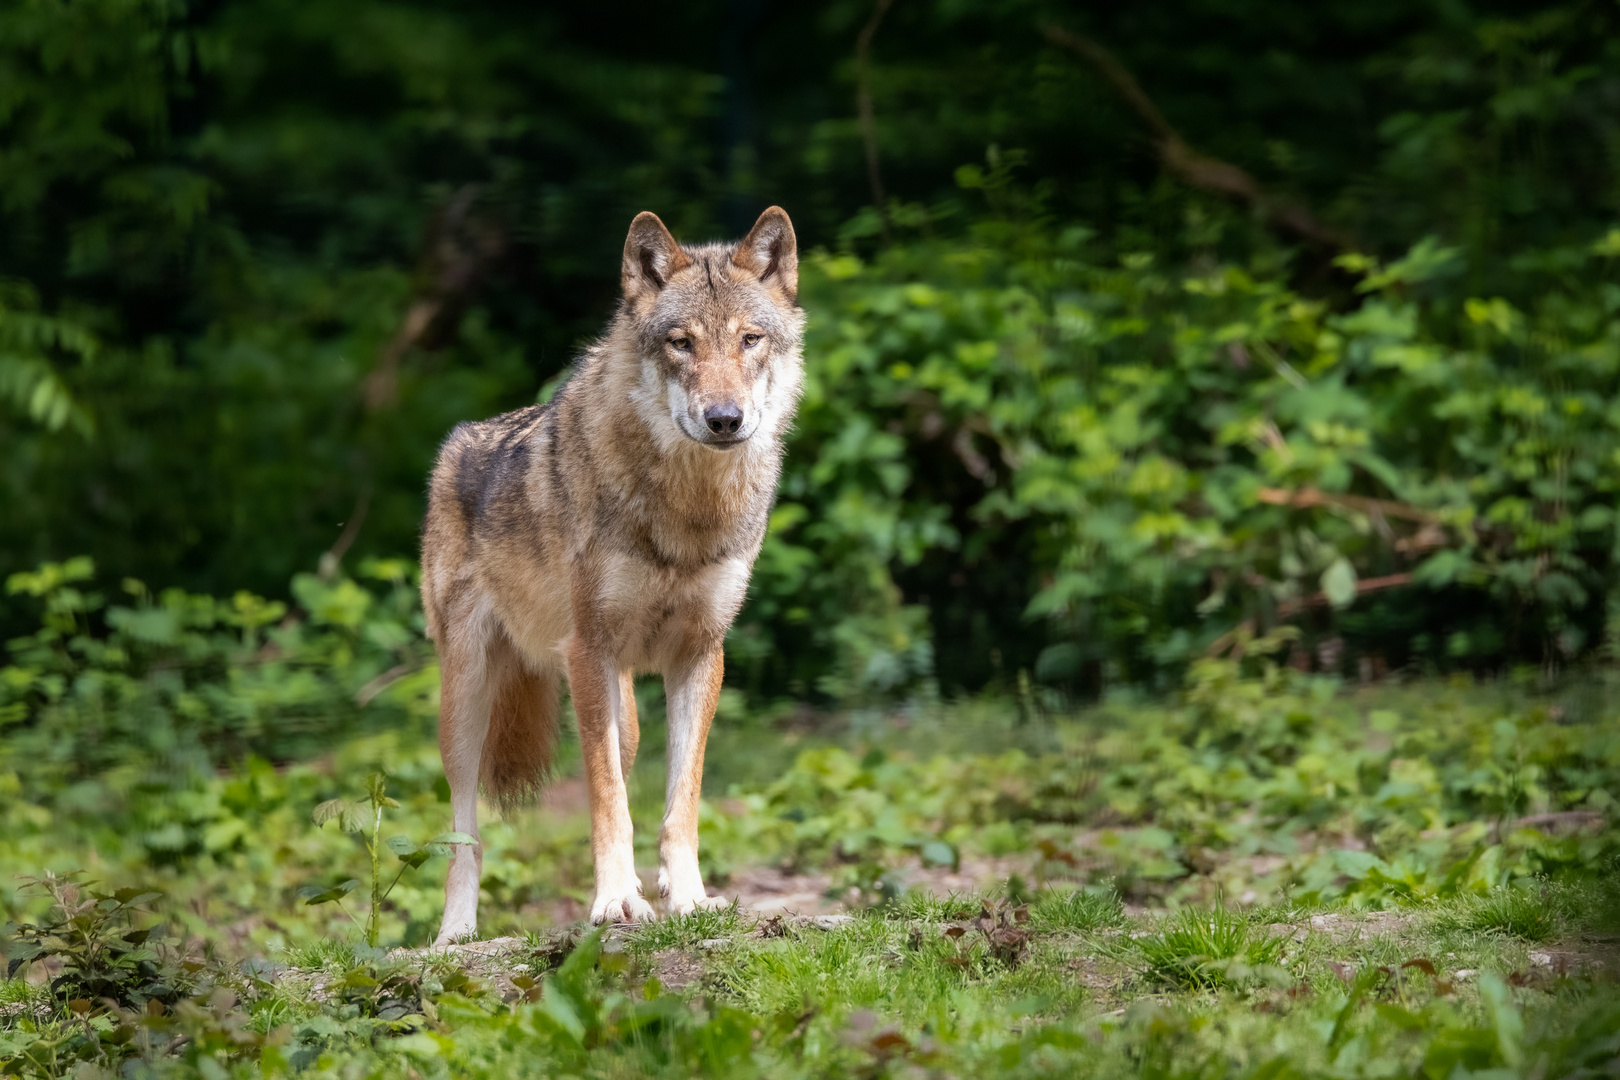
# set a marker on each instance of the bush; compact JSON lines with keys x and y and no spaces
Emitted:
{"x":175,"y":681}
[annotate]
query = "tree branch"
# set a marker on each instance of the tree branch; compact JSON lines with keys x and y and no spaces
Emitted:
{"x":1193,"y":168}
{"x":1287,"y":609}
{"x":863,"y":111}
{"x":456,"y":254}
{"x":1307,"y":497}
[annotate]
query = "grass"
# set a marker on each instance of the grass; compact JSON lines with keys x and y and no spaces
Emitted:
{"x":1080,"y":910}
{"x":1525,"y":912}
{"x":1151,"y":896}
{"x":1198,"y":948}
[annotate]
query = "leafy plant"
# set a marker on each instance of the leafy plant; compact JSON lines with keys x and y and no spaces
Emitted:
{"x":364,"y":816}
{"x":102,"y":953}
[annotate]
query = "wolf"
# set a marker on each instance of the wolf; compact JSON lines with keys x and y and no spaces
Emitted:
{"x":610,"y":532}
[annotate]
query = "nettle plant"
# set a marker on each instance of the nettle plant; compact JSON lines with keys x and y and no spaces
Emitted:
{"x":364,"y":816}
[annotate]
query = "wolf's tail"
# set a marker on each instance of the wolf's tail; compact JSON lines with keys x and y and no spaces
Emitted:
{"x":522,"y":738}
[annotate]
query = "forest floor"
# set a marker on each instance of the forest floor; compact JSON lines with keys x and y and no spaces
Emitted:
{"x":1281,"y":879}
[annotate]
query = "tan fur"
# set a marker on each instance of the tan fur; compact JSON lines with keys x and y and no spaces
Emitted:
{"x":612,"y":532}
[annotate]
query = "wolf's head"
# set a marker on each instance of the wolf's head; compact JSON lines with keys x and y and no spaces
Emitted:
{"x":717,"y":328}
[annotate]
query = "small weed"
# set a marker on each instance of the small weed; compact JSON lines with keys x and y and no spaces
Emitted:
{"x":1078,"y":909}
{"x":1204,"y":949}
{"x":352,"y":817}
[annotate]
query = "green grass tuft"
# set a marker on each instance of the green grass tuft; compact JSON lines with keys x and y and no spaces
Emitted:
{"x":683,"y":931}
{"x":1203,"y":949}
{"x":927,"y":907}
{"x":1524,"y":913}
{"x":1079,"y":909}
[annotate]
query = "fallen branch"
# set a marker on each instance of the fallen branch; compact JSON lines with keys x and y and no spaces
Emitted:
{"x":330,"y":559}
{"x":1366,"y":585}
{"x":1197,"y":169}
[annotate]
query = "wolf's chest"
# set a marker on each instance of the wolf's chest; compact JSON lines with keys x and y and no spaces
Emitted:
{"x":652,"y":612}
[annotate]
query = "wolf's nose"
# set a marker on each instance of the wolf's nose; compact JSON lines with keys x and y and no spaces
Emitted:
{"x":723,"y":419}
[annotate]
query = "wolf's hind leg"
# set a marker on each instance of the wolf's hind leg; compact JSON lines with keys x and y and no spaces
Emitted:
{"x":692,"y":693}
{"x":467,"y":682}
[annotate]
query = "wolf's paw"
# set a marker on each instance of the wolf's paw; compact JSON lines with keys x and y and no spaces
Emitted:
{"x":455,"y":933}
{"x":689,"y":904}
{"x":620,"y":909}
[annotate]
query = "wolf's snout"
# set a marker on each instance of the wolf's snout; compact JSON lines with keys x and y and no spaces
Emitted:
{"x":723,"y":419}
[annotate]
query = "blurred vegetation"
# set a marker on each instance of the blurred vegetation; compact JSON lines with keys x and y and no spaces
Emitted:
{"x":1318,"y":328}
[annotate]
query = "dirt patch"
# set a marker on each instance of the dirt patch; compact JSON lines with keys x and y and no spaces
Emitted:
{"x":1097,"y":973}
{"x":973,"y":875}
{"x":1590,"y":959}
{"x":769,"y":890}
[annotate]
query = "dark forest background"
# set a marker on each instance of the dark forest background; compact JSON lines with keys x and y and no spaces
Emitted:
{"x":1138,"y":330}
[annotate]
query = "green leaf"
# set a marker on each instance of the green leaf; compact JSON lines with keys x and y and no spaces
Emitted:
{"x":939,"y":853}
{"x":315,"y":894}
{"x":1339,"y":583}
{"x":328,"y":810}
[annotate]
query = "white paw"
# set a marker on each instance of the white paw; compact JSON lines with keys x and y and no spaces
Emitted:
{"x":454,"y":932}
{"x":620,"y":909}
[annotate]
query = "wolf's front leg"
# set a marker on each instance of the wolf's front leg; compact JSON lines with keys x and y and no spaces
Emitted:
{"x":692,"y":693}
{"x":599,"y":694}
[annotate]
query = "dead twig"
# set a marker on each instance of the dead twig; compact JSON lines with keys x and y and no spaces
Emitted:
{"x":1192,"y":167}
{"x":365,"y":695}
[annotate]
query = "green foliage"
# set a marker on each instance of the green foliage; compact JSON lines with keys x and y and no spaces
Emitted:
{"x":96,"y":952}
{"x":176,"y":681}
{"x":1175,"y":458}
{"x":1075,"y":424}
{"x":1250,"y":785}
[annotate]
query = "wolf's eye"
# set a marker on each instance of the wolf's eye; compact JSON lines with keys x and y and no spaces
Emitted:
{"x":682,"y":343}
{"x":750,"y":340}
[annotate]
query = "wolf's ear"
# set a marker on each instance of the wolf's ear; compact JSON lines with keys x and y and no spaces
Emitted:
{"x":651,"y":256}
{"x":770,"y":252}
